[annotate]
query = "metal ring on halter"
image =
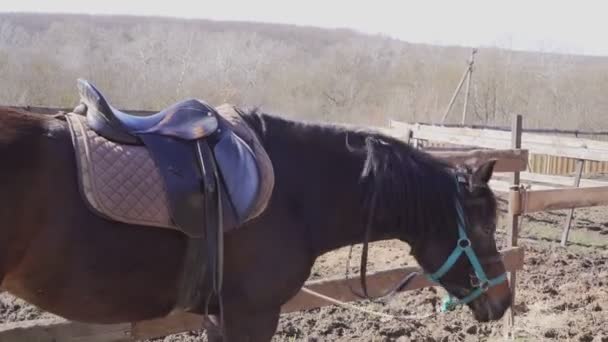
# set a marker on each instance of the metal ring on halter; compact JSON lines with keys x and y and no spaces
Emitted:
{"x":485,"y":285}
{"x":464,"y":243}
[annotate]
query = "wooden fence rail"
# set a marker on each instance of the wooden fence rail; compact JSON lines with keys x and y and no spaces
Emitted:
{"x":552,"y":131}
{"x":555,"y":199}
{"x":577,"y":148}
{"x":53,"y":330}
{"x":507,"y":160}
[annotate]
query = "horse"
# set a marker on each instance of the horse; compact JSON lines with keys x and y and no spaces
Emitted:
{"x":335,"y":186}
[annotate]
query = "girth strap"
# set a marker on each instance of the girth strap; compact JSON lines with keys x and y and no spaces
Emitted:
{"x":213,"y":213}
{"x":193,"y":186}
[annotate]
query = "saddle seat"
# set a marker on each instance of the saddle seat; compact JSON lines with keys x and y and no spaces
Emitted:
{"x":188,"y":119}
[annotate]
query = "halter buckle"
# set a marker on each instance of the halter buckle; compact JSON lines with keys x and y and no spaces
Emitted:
{"x":484,"y":285}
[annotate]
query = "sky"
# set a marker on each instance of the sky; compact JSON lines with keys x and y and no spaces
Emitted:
{"x":577,"y":27}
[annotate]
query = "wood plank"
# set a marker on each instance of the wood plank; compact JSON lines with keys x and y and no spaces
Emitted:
{"x":503,"y":179}
{"x":577,"y":182}
{"x":379,"y":283}
{"x":503,"y":185}
{"x":176,"y":323}
{"x":553,"y":131}
{"x":577,"y":148}
{"x":560,"y":180}
{"x":53,"y":330}
{"x":499,"y":185}
{"x":544,"y":200}
{"x":500,"y":135}
{"x":457,"y":136}
{"x":508,"y":160}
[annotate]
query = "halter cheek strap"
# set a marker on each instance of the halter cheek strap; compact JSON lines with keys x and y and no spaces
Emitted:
{"x":464,"y":246}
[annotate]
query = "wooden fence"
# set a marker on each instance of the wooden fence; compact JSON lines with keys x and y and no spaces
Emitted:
{"x":544,"y":163}
{"x":549,"y":192}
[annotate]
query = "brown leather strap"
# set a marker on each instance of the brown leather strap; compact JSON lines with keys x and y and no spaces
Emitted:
{"x":214,"y":230}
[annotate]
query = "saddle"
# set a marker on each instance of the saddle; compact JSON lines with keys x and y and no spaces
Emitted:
{"x":191,"y":167}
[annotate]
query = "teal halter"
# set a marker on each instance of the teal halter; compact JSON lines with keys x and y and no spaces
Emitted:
{"x":464,"y":246}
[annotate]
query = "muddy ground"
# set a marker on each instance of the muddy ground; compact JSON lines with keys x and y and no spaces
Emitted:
{"x":562,"y":294}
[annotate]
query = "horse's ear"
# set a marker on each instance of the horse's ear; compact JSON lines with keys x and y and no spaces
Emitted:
{"x":483,"y":173}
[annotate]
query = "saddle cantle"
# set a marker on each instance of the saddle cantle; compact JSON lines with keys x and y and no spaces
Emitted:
{"x":191,"y":167}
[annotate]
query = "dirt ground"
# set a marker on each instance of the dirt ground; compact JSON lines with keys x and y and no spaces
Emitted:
{"x":562,"y":294}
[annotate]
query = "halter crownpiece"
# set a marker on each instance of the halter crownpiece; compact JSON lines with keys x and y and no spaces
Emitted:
{"x":464,"y":246}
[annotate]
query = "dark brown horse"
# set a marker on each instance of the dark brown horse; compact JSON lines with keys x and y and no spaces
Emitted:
{"x":56,"y":254}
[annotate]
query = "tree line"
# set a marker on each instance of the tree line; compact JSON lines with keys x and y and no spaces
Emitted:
{"x":301,"y":72}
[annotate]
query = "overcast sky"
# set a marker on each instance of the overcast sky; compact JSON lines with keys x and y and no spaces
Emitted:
{"x":543,"y":25}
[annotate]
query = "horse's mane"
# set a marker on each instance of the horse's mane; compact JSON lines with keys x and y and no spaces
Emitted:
{"x":414,"y":191}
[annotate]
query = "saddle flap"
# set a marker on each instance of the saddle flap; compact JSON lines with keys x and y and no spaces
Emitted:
{"x":246,"y":168}
{"x":240,"y":173}
{"x":182,"y":181}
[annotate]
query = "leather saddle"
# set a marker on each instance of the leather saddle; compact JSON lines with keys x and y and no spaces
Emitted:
{"x":210,"y":169}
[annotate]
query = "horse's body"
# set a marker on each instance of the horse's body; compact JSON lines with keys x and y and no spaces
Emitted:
{"x":57,"y":254}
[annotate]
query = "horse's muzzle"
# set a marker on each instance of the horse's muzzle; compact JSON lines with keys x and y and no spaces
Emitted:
{"x":493,"y":304}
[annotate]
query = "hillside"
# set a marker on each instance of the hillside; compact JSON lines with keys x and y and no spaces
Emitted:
{"x":305,"y":72}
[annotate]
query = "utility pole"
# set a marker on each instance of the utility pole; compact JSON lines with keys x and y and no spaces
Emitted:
{"x":466,"y":76}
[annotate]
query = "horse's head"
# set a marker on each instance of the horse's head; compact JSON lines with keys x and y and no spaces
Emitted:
{"x":463,"y":257}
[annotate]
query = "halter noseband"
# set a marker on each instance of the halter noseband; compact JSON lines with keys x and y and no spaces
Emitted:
{"x":464,"y":246}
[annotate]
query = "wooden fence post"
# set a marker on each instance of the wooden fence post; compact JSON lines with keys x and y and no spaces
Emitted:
{"x":580,"y":164}
{"x":513,"y":228}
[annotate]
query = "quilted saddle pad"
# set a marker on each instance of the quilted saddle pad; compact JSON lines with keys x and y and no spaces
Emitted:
{"x":122,"y":182}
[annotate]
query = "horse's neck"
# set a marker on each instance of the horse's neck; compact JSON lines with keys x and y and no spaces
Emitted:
{"x":318,"y":183}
